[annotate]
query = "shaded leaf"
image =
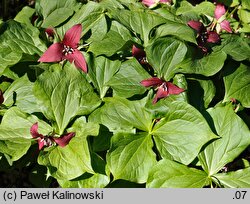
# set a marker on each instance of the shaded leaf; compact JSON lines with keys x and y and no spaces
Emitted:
{"x":140,"y":22}
{"x":207,"y":66}
{"x":116,"y":38}
{"x":126,"y":82}
{"x":235,"y":179}
{"x":15,"y":137}
{"x":235,"y":46}
{"x":131,"y":157}
{"x":181,"y":133}
{"x":101,"y":72}
{"x":237,"y":85}
{"x":119,"y":114}
{"x":74,"y":159}
{"x":170,"y":174}
{"x":164,"y":54}
{"x":235,"y":138}
{"x":55,"y":12}
{"x":20,"y":93}
{"x":86,"y":181}
{"x":63,"y":94}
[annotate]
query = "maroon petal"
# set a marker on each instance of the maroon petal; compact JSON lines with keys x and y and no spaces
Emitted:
{"x":34,"y":132}
{"x":196,"y":25}
{"x":161,"y":93}
{"x":50,"y":31}
{"x":154,"y":81}
{"x":53,"y":53}
{"x":225,"y":25}
{"x":40,"y":143}
{"x":138,"y":53}
{"x":1,"y":97}
{"x":64,"y":140}
{"x":78,"y":59}
{"x":213,"y":37}
{"x":173,"y":89}
{"x":72,"y":36}
{"x":219,"y":11}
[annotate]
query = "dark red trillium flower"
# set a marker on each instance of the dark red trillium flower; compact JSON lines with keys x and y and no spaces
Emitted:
{"x":47,"y":141}
{"x":50,"y":32}
{"x":218,"y":14}
{"x":164,"y":88}
{"x":1,"y":97}
{"x":204,"y":36}
{"x":139,"y":54}
{"x":67,"y":49}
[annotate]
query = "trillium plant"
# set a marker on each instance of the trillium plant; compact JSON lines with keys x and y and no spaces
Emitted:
{"x":126,"y":93}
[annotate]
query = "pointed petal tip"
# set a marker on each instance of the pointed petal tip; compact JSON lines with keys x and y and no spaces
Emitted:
{"x":196,"y":25}
{"x":52,"y":54}
{"x":154,"y":81}
{"x":73,"y":36}
{"x":225,"y":25}
{"x":138,"y":53}
{"x":78,"y":59}
{"x":40,"y":144}
{"x":34,"y":131}
{"x":213,"y":37}
{"x":173,"y":89}
{"x":65,"y":139}
{"x":219,"y":11}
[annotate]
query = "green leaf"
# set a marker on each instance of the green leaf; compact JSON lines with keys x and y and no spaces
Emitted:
{"x":204,"y":8}
{"x":176,"y":29}
{"x":15,"y":137}
{"x":22,"y":38}
{"x":20,"y":93}
{"x":235,"y":137}
{"x":200,"y":92}
{"x":111,"y":4}
{"x":181,"y":133}
{"x":119,"y":114}
{"x":101,"y":71}
{"x":61,"y":162}
{"x":235,"y":179}
{"x":86,"y":181}
{"x":170,"y":174}
{"x":25,"y":15}
{"x":164,"y":54}
{"x":15,"y":149}
{"x":131,"y":156}
{"x":64,"y":93}
{"x":8,"y":57}
{"x":140,"y":22}
{"x":235,"y":46}
{"x":92,"y":17}
{"x":55,"y":12}
{"x":245,"y":4}
{"x":126,"y":82}
{"x":207,"y":66}
{"x":116,"y":39}
{"x":98,"y":29}
{"x":84,"y":129}
{"x":18,"y":40}
{"x":244,"y":15}
{"x":237,"y":85}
